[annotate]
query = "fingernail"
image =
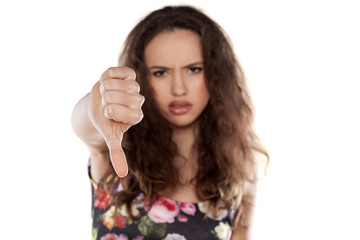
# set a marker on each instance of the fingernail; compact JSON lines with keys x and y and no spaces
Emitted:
{"x":102,"y":90}
{"x":103,"y":102}
{"x":107,"y":110}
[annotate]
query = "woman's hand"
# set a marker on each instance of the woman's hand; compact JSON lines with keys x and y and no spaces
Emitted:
{"x":116,"y":106}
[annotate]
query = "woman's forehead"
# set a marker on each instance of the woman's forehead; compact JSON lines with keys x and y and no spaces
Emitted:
{"x":180,"y":47}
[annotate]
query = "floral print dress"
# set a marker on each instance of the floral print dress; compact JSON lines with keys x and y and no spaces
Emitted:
{"x":166,"y":219}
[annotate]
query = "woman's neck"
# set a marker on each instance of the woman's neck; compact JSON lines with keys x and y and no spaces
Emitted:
{"x":184,"y":138}
{"x":186,"y":162}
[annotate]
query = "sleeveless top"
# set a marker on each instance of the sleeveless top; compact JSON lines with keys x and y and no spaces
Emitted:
{"x":166,"y":219}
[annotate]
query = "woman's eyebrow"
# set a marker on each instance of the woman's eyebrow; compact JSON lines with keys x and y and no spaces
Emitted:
{"x":158,"y":67}
{"x":166,"y":68}
{"x":193,"y":64}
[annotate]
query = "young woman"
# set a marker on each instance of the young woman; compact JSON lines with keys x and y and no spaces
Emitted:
{"x":172,"y":149}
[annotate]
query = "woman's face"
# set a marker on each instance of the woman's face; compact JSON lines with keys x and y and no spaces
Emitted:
{"x":176,"y":74}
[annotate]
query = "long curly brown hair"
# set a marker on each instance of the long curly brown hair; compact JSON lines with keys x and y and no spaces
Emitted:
{"x":226,"y":143}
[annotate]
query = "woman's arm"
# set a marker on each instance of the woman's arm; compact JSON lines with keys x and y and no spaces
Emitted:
{"x":241,"y":232}
{"x":244,"y":226}
{"x":85,"y":130}
{"x":102,"y":116}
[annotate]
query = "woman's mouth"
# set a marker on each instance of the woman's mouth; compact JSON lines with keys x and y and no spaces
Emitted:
{"x":180,"y":107}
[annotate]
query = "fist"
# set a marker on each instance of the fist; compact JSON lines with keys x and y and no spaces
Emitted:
{"x":116,"y":107}
{"x":120,"y":97}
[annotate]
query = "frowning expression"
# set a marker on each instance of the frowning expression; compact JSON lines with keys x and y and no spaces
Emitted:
{"x":176,"y":74}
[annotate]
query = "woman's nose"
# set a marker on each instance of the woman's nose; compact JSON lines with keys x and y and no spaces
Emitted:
{"x":178,"y":87}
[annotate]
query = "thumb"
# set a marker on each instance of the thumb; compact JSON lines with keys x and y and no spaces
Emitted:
{"x":117,"y":157}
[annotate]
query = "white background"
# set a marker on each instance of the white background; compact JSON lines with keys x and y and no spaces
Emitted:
{"x":302,"y":61}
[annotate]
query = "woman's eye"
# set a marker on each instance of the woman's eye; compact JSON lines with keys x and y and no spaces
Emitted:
{"x":195,"y":69}
{"x":159,"y":73}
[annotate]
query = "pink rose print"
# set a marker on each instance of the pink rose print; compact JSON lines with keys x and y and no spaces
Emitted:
{"x":102,"y":198}
{"x":109,"y":236}
{"x":188,"y":208}
{"x":182,"y":218}
{"x":122,"y":237}
{"x":113,"y":236}
{"x":120,"y":221}
{"x":163,"y":210}
{"x":138,"y":238}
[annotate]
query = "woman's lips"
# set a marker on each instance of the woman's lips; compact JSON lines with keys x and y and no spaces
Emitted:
{"x":180,"y":107}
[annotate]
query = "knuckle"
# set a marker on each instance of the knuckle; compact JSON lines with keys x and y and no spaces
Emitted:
{"x":136,"y":87}
{"x":115,"y":151}
{"x":111,"y":72}
{"x":132,"y":86}
{"x":140,"y":100}
{"x":138,"y":116}
{"x":132,"y":73}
